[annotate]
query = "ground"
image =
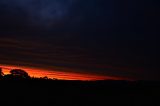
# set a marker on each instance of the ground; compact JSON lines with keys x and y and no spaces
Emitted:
{"x":73,"y":93}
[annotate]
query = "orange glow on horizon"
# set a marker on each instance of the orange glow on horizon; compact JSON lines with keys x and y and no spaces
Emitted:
{"x":35,"y":72}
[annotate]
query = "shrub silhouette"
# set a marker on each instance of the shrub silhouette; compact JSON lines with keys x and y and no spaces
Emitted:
{"x":1,"y":73}
{"x":19,"y":73}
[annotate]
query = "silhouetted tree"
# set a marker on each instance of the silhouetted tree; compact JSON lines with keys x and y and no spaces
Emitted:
{"x":19,"y":73}
{"x":1,"y":73}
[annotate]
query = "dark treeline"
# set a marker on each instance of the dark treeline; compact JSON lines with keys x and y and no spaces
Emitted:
{"x":18,"y":88}
{"x":19,"y":75}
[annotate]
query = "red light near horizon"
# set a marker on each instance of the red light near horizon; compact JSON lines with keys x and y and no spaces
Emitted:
{"x":35,"y":72}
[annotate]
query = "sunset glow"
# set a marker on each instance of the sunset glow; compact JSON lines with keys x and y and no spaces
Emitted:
{"x":35,"y":72}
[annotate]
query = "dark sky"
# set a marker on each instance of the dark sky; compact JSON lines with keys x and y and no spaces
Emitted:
{"x":108,"y":37}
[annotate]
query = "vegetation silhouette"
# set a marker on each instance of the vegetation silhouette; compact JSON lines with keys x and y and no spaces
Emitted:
{"x":19,"y":74}
{"x":1,"y":73}
{"x":45,"y":91}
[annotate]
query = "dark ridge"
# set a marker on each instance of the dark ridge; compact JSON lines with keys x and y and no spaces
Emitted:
{"x":18,"y":88}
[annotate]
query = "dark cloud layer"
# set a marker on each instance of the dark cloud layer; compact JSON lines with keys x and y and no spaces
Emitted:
{"x":110,"y":37}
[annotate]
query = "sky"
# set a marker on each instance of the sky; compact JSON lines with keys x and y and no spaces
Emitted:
{"x":109,"y":38}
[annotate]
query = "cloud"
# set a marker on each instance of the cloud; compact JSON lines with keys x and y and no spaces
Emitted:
{"x":40,"y":12}
{"x":40,"y":54}
{"x":85,"y":35}
{"x":55,"y":15}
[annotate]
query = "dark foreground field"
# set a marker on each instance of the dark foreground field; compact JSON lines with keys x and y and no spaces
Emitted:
{"x":73,"y":93}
